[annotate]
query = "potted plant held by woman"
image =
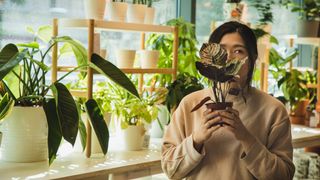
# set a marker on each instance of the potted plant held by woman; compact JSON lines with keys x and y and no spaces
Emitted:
{"x":43,"y":113}
{"x":222,"y":71}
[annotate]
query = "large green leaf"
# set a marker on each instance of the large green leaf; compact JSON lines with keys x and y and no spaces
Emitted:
{"x":54,"y":134}
{"x":98,"y":124}
{"x":6,"y":105}
{"x":67,"y":112}
{"x":82,"y":128}
{"x":78,"y":49}
{"x":113,"y":72}
{"x":9,"y":58}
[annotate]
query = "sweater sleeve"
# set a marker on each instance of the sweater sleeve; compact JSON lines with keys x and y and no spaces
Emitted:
{"x":179,"y":156}
{"x":275,"y":160}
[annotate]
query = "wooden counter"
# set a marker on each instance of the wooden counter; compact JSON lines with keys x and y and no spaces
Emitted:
{"x":117,"y":164}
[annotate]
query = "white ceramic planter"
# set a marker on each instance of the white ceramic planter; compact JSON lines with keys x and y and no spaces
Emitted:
{"x":125,"y":58}
{"x":136,"y":13}
{"x":132,"y":137}
{"x":149,"y":17}
{"x":117,"y":11}
{"x":95,"y":9}
{"x":25,"y":134}
{"x":163,"y":116}
{"x":149,"y":58}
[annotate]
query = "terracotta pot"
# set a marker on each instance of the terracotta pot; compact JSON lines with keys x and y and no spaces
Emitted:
{"x":297,"y":119}
{"x":315,"y":149}
{"x":219,"y":106}
{"x":301,"y":109}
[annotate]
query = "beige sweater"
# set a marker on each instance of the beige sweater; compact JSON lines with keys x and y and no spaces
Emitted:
{"x":223,"y":157}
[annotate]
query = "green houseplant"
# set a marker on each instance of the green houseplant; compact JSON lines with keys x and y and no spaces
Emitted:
{"x":130,"y":113}
{"x":182,"y":86}
{"x":187,"y":50}
{"x":23,"y":80}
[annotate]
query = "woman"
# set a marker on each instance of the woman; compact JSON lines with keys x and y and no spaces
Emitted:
{"x":255,"y":145}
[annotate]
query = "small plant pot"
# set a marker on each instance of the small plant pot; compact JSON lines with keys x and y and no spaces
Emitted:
{"x":117,"y":11}
{"x":219,"y":106}
{"x":95,"y":9}
{"x":136,"y":13}
{"x":149,"y":58}
{"x":125,"y":58}
{"x":308,"y":28}
{"x":294,"y":119}
{"x":149,"y":17}
{"x":133,"y":137}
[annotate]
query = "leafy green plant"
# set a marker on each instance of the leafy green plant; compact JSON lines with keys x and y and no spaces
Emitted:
{"x":309,"y":9}
{"x":187,"y":50}
{"x":182,"y":86}
{"x":264,"y":10}
{"x":23,"y":77}
{"x":294,"y":87}
{"x":127,"y":108}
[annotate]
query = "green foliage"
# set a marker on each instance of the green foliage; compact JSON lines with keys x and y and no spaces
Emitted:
{"x":308,"y":10}
{"x":27,"y":67}
{"x":187,"y":50}
{"x":182,"y":86}
{"x":127,"y":108}
{"x":264,"y":9}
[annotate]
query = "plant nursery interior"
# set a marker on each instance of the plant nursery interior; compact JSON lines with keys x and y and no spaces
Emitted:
{"x":121,"y":89}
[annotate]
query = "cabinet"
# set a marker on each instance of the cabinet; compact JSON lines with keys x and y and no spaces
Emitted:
{"x":93,"y":26}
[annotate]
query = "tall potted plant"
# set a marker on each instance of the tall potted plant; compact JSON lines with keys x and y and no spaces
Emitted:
{"x":136,"y":11}
{"x":117,"y":10}
{"x":309,"y":23}
{"x":25,"y":90}
{"x":222,"y":72}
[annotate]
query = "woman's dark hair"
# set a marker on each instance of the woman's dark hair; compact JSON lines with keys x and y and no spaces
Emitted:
{"x":248,"y":37}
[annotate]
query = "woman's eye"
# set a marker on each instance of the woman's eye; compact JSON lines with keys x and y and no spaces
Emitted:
{"x":237,"y":51}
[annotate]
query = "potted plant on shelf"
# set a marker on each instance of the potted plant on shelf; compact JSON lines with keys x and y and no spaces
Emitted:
{"x":222,"y":72}
{"x":130,"y":114}
{"x":51,"y":116}
{"x":136,"y":11}
{"x":187,"y":50}
{"x":150,"y":12}
{"x":117,"y":10}
{"x":308,"y":25}
{"x":95,"y":9}
{"x":296,"y":92}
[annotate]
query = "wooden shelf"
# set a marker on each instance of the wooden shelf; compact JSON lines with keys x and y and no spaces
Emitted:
{"x":312,"y":85}
{"x":101,"y":25}
{"x":126,"y":70}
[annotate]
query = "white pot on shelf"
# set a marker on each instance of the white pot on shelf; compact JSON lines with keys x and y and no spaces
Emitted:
{"x":125,"y":58}
{"x":132,"y":137}
{"x":25,"y":134}
{"x":95,"y":9}
{"x":136,"y":13}
{"x":149,"y":17}
{"x":149,"y":58}
{"x":117,"y":11}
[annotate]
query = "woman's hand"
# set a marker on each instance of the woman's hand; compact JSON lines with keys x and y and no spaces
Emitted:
{"x":207,"y":127}
{"x":234,"y":124}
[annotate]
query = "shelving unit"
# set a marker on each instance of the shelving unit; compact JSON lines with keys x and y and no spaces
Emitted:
{"x":97,"y":26}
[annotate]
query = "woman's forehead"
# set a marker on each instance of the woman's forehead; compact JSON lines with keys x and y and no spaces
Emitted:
{"x":232,"y":40}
